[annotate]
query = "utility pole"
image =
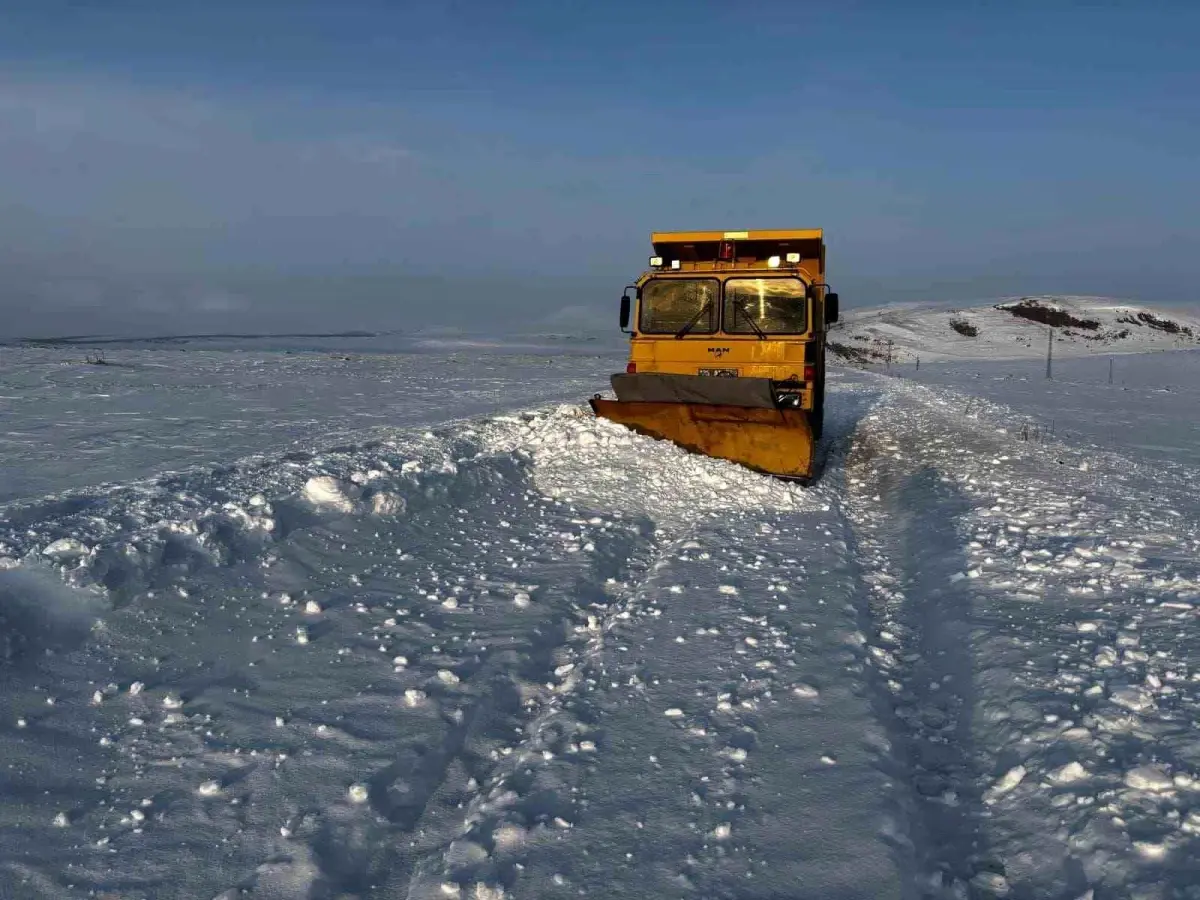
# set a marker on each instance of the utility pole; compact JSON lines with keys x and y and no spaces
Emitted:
{"x":1049,"y":349}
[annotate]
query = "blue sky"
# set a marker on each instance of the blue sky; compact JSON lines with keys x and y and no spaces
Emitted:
{"x":372,"y":164}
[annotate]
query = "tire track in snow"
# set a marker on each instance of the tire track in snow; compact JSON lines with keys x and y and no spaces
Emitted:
{"x":531,"y":788}
{"x":918,"y":621}
{"x":501,"y":825}
{"x":1086,"y":780}
{"x":731,"y":754}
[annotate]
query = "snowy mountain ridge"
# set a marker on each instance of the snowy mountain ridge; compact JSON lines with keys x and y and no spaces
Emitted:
{"x":1014,"y":328}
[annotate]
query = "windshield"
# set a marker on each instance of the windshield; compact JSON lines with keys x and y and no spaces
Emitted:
{"x":669,"y":304}
{"x":774,"y":305}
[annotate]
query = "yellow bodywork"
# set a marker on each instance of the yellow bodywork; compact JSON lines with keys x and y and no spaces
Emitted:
{"x":768,"y":434}
{"x":773,"y":441}
{"x":778,"y":359}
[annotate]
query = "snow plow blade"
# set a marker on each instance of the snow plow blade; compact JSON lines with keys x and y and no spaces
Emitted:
{"x":745,"y":427}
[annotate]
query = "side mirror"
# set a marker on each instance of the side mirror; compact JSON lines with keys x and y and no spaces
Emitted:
{"x":625,"y":311}
{"x":831,"y":308}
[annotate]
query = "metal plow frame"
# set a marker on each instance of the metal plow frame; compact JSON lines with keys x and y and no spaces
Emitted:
{"x":745,"y":426}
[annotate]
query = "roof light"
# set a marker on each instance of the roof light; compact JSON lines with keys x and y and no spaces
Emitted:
{"x":773,"y":262}
{"x":793,"y":258}
{"x":725,"y":252}
{"x":674,"y":264}
{"x":655,"y":262}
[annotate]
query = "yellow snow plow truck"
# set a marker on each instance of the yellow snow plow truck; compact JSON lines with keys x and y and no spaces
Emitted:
{"x":727,"y":347}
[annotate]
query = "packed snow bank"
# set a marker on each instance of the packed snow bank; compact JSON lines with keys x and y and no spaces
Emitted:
{"x":1012,"y":329}
{"x":579,"y":458}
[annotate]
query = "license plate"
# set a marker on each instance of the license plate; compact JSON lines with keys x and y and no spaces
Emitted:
{"x":720,"y":373}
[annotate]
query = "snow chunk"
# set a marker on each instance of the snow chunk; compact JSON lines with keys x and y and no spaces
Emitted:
{"x":384,"y":503}
{"x":358,"y":793}
{"x":66,"y":548}
{"x":509,"y":838}
{"x":1149,"y":778}
{"x":1106,"y":657}
{"x":1069,"y":774}
{"x":1133,"y":698}
{"x":1150,"y":850}
{"x":1007,"y":782}
{"x":1191,"y":824}
{"x":991,"y":883}
{"x":481,"y":891}
{"x":327,"y":491}
{"x":673,"y":713}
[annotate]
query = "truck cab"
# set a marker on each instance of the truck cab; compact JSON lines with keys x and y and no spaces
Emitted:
{"x":735,"y":304}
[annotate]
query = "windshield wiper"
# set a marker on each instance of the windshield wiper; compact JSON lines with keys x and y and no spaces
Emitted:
{"x":692,"y":322}
{"x":740,"y":306}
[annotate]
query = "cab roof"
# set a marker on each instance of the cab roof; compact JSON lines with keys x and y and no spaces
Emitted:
{"x":739,"y":249}
{"x":704,"y":237}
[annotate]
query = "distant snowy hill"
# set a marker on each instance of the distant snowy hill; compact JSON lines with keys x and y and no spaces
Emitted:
{"x":1011,"y":329}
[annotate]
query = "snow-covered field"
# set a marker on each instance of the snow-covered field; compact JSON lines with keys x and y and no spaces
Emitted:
{"x":1149,"y":410}
{"x":1016,"y":328}
{"x":66,"y":424}
{"x":411,"y":628}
